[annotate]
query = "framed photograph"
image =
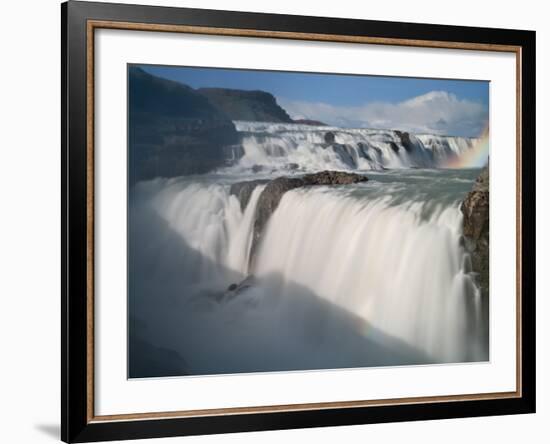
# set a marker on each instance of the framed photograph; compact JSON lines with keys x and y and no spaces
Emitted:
{"x":276,"y":221}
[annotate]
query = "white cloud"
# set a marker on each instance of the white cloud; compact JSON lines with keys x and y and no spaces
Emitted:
{"x":437,"y":112}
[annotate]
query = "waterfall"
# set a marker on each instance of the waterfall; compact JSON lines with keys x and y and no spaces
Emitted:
{"x":348,"y":276}
{"x":405,"y":273}
{"x":446,"y":148}
{"x":278,"y":146}
{"x":211,"y":222}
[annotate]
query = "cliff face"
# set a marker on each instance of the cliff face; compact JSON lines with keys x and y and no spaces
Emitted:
{"x":253,"y":106}
{"x":475,"y":209}
{"x":172,"y":129}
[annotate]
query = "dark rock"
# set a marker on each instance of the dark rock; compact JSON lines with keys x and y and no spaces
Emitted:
{"x":268,"y":202}
{"x":173,"y":130}
{"x":273,"y":192}
{"x":257,"y":168}
{"x":330,"y":137}
{"x":232,"y":287}
{"x":482,"y":182}
{"x":309,"y":122}
{"x":394,"y":147}
{"x":405,"y":140}
{"x":475,"y":209}
{"x":333,"y":178}
{"x":292,"y":166}
{"x":255,"y":106}
{"x":243,"y":190}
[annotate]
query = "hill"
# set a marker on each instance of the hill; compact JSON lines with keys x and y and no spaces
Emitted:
{"x":253,"y":106}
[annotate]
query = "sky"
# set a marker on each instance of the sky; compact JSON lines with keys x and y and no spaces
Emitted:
{"x":435,"y":106}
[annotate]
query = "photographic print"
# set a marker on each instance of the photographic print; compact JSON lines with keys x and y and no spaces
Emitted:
{"x":294,"y":221}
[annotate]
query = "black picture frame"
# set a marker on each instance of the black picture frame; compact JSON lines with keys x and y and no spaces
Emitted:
{"x":77,"y":425}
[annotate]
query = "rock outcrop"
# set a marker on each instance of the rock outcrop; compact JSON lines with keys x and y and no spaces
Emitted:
{"x":475,"y":209}
{"x":173,"y":130}
{"x":243,"y":190}
{"x":276,"y":188}
{"x":253,"y":106}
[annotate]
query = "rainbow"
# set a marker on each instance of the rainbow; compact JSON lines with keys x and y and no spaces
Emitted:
{"x":476,"y":157}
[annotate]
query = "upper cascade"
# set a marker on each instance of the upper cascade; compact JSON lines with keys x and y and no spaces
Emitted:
{"x":306,"y":147}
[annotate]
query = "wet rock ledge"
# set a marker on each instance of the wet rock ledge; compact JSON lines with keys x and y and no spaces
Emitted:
{"x":475,"y":209}
{"x":243,"y":190}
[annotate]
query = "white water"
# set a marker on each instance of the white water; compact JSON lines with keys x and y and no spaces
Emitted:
{"x":274,"y":146}
{"x":384,"y":263}
{"x":211,"y":222}
{"x":362,"y":275}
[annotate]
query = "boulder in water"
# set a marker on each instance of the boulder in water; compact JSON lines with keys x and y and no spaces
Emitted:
{"x":330,"y":137}
{"x":333,"y":178}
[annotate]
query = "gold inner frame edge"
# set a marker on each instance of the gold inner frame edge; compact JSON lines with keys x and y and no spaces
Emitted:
{"x":235,"y":32}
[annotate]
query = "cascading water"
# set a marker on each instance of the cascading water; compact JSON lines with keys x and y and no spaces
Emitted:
{"x":211,"y":222}
{"x":353,"y":276}
{"x":278,"y":146}
{"x":403,"y":274}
